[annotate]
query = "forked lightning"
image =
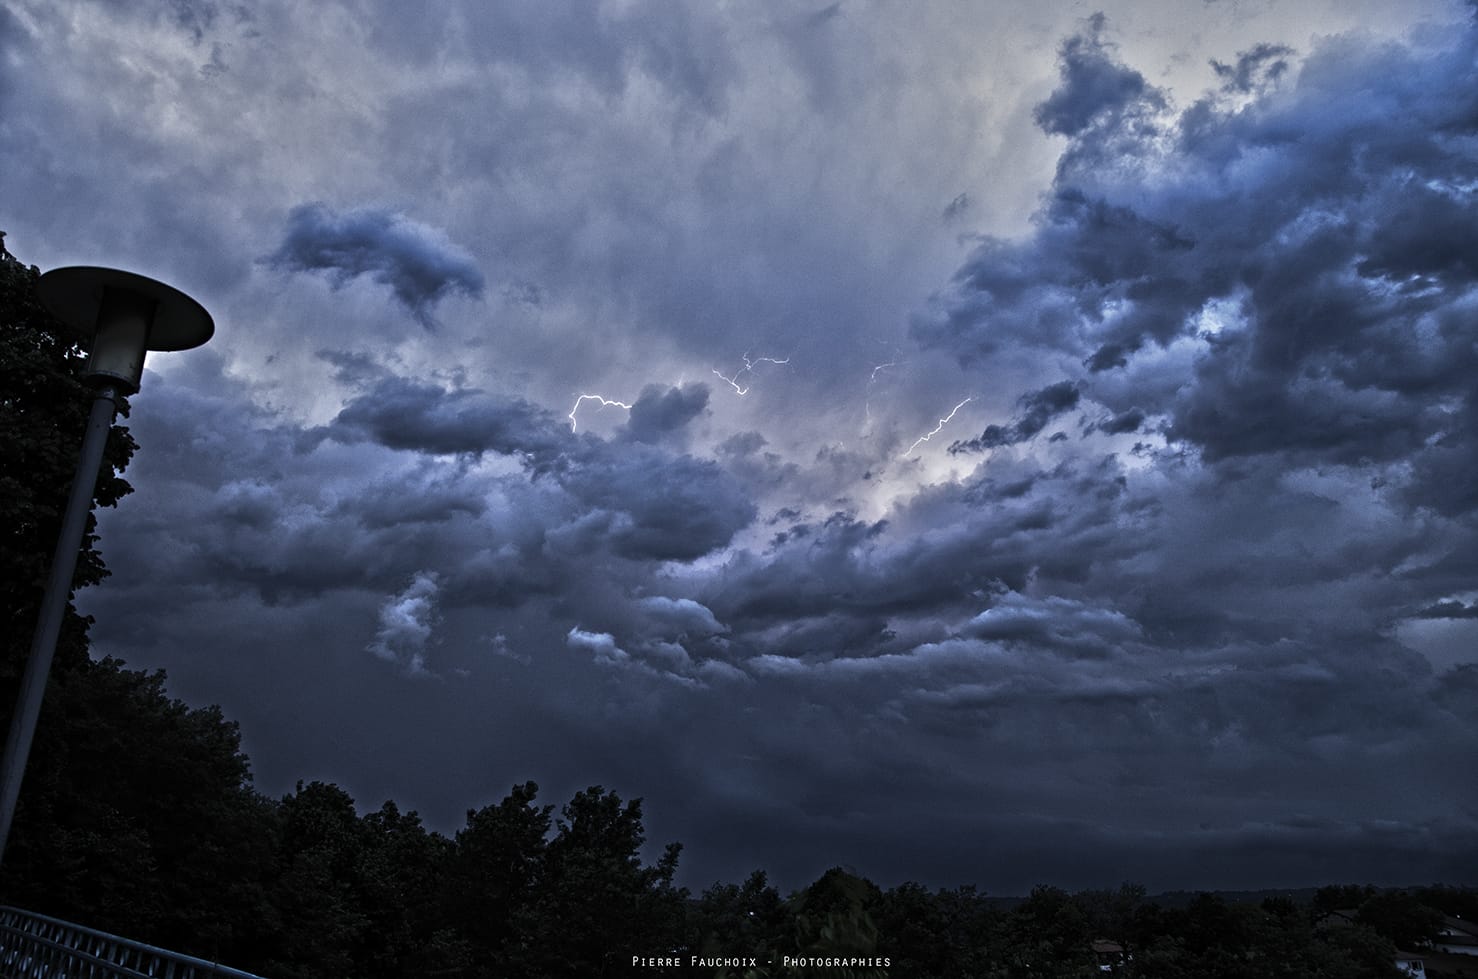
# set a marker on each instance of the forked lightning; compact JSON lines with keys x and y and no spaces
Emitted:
{"x":942,"y":422}
{"x":604,"y":403}
{"x":748,"y":368}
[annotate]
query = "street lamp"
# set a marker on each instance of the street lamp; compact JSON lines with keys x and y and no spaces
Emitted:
{"x":124,"y":316}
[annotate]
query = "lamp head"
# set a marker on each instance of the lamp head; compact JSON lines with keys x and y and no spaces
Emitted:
{"x":123,"y":315}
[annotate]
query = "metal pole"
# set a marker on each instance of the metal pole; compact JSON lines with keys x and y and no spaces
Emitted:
{"x":53,"y":607}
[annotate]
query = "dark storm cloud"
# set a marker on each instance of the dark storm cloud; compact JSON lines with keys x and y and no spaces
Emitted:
{"x":229,"y":514}
{"x":414,"y":499}
{"x":419,"y":264}
{"x":1458,"y":690}
{"x":1449,"y":610}
{"x":647,"y":502}
{"x":354,"y":368}
{"x":1093,"y":267}
{"x":1283,"y":271}
{"x":674,"y":641}
{"x":395,"y":490}
{"x":1037,"y":681}
{"x":1055,"y":622}
{"x":404,"y":414}
{"x":1255,"y":69}
{"x":659,"y":412}
{"x":1035,"y":410}
{"x":1124,"y":422}
{"x":1040,"y":407}
{"x":662,"y":507}
{"x":1319,"y":247}
{"x":941,"y":557}
{"x":1095,"y":90}
{"x":1070,"y":693}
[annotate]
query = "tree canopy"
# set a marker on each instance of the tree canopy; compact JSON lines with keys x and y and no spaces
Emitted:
{"x":43,"y":415}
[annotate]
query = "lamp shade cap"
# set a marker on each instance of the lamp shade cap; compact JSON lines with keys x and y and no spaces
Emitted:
{"x":74,"y":294}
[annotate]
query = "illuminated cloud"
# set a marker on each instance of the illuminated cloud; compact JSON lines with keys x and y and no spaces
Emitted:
{"x":407,"y":622}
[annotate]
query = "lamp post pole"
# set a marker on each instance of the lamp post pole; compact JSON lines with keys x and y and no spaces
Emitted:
{"x":53,"y":607}
{"x":124,"y":315}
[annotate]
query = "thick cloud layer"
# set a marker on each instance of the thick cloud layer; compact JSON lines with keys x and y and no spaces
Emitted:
{"x":1036,"y":409}
{"x":1318,"y":280}
{"x":647,"y":502}
{"x":1141,"y":550}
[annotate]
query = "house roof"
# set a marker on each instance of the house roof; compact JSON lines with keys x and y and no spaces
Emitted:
{"x":1459,"y":928}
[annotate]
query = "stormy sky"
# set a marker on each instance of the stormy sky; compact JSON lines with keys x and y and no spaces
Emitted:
{"x":971,"y":443}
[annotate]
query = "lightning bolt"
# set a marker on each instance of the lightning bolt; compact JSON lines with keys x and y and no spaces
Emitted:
{"x":872,"y":379}
{"x":942,"y":422}
{"x":748,"y":368}
{"x":604,"y":403}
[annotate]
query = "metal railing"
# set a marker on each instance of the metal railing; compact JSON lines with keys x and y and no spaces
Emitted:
{"x":33,"y":946}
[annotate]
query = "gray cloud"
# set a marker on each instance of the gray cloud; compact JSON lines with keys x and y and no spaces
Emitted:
{"x":1096,"y":89}
{"x":1302,"y":276}
{"x":661,"y":507}
{"x":395,"y":486}
{"x":1254,"y":69}
{"x":1035,"y":410}
{"x":1124,"y":422}
{"x":646,"y":501}
{"x":659,"y":412}
{"x":404,"y":414}
{"x":1449,"y":610}
{"x":419,"y":263}
{"x":1058,"y":622}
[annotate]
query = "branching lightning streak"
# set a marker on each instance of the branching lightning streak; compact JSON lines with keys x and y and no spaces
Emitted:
{"x":871,"y":380}
{"x":942,"y":422}
{"x":874,"y":377}
{"x":604,"y":403}
{"x":748,"y":368}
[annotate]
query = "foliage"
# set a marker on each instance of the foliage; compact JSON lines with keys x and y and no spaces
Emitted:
{"x":134,"y":806}
{"x":752,"y":917}
{"x":594,"y":901}
{"x":1049,"y":936}
{"x":1459,"y":902}
{"x":43,"y":415}
{"x":491,"y":873}
{"x":834,"y":917}
{"x":1400,"y":917}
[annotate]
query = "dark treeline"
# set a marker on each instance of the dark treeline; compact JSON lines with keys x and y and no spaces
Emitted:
{"x":306,"y":887}
{"x":139,"y":817}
